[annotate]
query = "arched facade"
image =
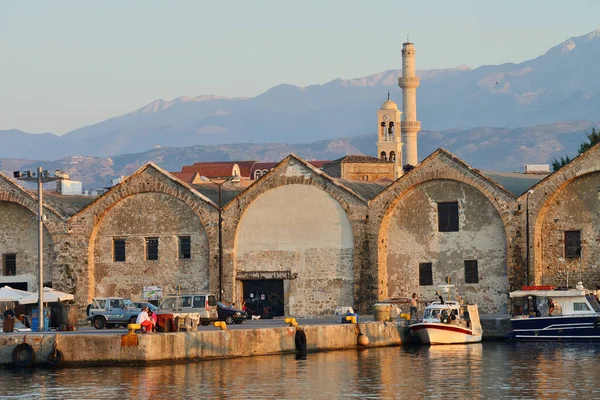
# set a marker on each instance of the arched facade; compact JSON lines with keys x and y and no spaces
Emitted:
{"x":141,"y":223}
{"x":302,"y":230}
{"x":326,"y":264}
{"x":473,"y":257}
{"x":406,"y":234}
{"x":149,"y":204}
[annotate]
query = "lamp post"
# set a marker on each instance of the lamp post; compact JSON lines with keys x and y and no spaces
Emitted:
{"x":40,"y":177}
{"x":220,"y":182}
{"x":527,"y":235}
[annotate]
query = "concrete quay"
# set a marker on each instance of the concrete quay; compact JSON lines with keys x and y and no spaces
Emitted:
{"x":117,"y":349}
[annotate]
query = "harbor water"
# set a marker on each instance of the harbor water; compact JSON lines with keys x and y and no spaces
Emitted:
{"x":490,"y":370}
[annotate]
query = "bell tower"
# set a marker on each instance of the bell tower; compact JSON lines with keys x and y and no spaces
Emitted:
{"x":389,"y":145}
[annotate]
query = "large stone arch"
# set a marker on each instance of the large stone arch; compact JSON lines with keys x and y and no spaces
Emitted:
{"x":152,"y":184}
{"x":19,"y":235}
{"x":574,"y":206}
{"x":540,"y":204}
{"x":302,"y":230}
{"x":440,"y":167}
{"x":293,"y":171}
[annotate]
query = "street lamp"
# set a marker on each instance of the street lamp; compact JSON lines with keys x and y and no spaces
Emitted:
{"x":220,"y":181}
{"x":40,"y":177}
{"x":527,"y":235}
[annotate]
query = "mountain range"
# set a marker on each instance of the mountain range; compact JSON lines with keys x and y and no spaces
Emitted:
{"x":461,"y":109}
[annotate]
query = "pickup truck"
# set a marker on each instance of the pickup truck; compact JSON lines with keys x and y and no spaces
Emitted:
{"x":111,"y":312}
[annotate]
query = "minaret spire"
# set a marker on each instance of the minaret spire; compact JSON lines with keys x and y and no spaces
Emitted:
{"x":409,"y":126}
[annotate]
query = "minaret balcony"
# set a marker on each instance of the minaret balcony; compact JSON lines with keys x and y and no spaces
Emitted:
{"x":410,"y":125}
{"x":407,"y":82}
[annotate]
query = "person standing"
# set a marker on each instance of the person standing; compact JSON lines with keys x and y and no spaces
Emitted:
{"x":414,"y":303}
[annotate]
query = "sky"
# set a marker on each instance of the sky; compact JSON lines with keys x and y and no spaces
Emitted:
{"x":67,"y":64}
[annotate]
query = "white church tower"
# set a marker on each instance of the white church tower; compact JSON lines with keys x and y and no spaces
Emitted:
{"x":389,"y":145}
{"x":409,"y":126}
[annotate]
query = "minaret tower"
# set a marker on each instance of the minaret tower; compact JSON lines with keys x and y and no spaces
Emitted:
{"x":389,"y":145}
{"x":409,"y":126}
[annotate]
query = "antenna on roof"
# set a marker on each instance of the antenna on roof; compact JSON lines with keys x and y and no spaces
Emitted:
{"x":388,"y":94}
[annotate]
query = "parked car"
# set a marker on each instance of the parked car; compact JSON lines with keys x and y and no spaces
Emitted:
{"x":111,"y":312}
{"x":203,"y":304}
{"x":229,"y":314}
{"x":141,"y":304}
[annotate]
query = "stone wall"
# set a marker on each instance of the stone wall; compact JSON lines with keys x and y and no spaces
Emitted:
{"x":580,"y":195}
{"x":320,"y":236}
{"x":373,"y":172}
{"x":303,"y":230}
{"x":19,"y":235}
{"x":412,"y":237}
{"x":150,"y":215}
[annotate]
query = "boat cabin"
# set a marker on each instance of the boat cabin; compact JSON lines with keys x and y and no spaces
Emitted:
{"x":547,"y":301}
{"x":438,"y":312}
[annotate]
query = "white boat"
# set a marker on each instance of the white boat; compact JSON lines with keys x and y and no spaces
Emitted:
{"x":448,"y":322}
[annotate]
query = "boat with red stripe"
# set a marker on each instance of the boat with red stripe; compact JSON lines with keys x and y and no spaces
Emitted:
{"x":448,"y":322}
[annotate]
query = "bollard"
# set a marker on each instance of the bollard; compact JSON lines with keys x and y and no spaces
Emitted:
{"x":291,"y":321}
{"x":221,"y":324}
{"x":351,"y":318}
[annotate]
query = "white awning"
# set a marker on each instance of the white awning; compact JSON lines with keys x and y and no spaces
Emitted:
{"x":548,"y":293}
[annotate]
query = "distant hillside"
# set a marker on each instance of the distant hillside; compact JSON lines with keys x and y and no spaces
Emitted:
{"x":561,"y":85}
{"x":493,"y":149}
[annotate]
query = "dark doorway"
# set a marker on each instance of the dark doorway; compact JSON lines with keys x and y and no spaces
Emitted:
{"x":264,"y":297}
{"x":16,"y":285}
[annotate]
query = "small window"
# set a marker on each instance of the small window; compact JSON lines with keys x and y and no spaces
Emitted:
{"x":471,"y":271}
{"x":199,"y":301}
{"x":185,"y":247}
{"x":212,"y":300}
{"x":425,"y":274}
{"x":10,"y":264}
{"x":580,"y":307}
{"x":383,"y":156}
{"x":448,"y":217}
{"x":152,"y":248}
{"x":572,"y":244}
{"x":118,"y":250}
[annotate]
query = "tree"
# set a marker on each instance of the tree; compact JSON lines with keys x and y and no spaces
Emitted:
{"x":593,"y":139}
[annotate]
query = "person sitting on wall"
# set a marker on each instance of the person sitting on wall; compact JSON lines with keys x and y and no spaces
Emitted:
{"x":154,"y":319}
{"x":144,"y":320}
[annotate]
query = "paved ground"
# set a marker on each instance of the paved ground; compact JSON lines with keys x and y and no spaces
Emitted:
{"x":247,"y":324}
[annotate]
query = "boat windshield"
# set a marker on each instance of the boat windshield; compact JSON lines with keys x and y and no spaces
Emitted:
{"x":432,"y":313}
{"x":593,"y":303}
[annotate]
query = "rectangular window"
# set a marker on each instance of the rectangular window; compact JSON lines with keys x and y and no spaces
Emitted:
{"x":448,"y":217}
{"x":9,"y":264}
{"x":572,"y":244}
{"x":471,"y":271}
{"x":152,"y":248}
{"x":185,"y":247}
{"x":118,"y":250}
{"x":199,"y":301}
{"x":580,"y":307}
{"x":425,"y":274}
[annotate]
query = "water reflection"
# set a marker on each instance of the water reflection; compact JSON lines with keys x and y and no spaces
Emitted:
{"x":489,"y":370}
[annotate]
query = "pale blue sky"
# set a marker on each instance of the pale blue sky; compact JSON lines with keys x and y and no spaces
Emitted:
{"x":66,"y":64}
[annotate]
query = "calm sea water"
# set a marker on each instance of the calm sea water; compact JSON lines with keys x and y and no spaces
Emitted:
{"x":492,"y":370}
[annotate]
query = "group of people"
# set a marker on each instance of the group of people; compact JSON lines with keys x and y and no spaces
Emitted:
{"x":147,"y":320}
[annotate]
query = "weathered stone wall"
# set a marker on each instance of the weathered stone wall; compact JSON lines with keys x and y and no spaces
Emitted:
{"x":150,"y":202}
{"x":374,"y":171}
{"x":350,"y":258}
{"x":19,"y":235}
{"x":150,"y":215}
{"x":439,"y":168}
{"x":412,"y":237}
{"x":303,"y":230}
{"x":572,"y":208}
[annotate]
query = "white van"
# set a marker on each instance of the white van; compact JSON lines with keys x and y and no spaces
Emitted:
{"x":203,"y":304}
